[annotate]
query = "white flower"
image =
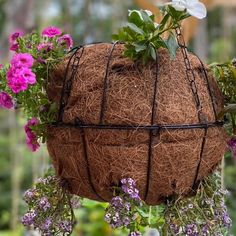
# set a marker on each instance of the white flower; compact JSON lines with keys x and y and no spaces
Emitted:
{"x":193,"y":7}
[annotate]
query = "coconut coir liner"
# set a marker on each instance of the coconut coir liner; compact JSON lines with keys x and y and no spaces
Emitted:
{"x":116,"y":154}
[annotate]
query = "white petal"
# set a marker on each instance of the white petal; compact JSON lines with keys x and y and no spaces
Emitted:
{"x":197,"y":9}
{"x":179,"y":5}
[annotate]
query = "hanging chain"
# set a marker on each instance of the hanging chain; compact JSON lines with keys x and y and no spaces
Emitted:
{"x":67,"y":84}
{"x":189,"y":73}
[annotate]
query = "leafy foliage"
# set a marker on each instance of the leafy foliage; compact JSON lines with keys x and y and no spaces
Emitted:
{"x":226,"y":77}
{"x":143,"y":36}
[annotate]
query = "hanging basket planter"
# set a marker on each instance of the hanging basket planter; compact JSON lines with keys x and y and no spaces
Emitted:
{"x":155,"y":123}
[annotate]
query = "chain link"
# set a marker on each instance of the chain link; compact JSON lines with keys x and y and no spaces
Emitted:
{"x":189,"y":73}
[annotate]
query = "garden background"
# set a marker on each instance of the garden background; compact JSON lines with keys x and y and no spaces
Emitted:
{"x":214,"y":40}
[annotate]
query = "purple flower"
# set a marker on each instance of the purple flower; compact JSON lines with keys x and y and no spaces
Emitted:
{"x":6,"y":100}
{"x":65,"y":226}
{"x":46,"y":224}
{"x":226,"y":220}
{"x":107,"y":218}
{"x":75,"y":202}
{"x":128,"y":187}
{"x":28,"y":218}
{"x":20,"y":60}
{"x":135,"y":233}
{"x":44,"y":204}
{"x":126,"y":221}
{"x":51,"y":32}
{"x":66,"y":40}
{"x":117,"y":202}
{"x":174,"y":228}
{"x":29,"y":195}
{"x":45,"y":47}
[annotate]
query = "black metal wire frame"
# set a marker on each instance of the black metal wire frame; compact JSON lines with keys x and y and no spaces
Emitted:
{"x":153,"y":129}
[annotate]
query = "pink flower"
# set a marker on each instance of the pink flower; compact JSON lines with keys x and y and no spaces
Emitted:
{"x":51,"y":32}
{"x":45,"y":46}
{"x":66,"y":39}
{"x":28,"y":75}
{"x":14,"y":36}
{"x":17,"y":84}
{"x":14,"y":47}
{"x":31,"y":138}
{"x":1,"y":66}
{"x":6,"y":100}
{"x":22,"y":60}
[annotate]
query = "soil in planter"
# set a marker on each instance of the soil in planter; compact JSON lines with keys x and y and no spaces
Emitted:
{"x":176,"y":154}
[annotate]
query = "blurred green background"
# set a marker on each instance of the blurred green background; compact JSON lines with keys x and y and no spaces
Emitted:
{"x":214,"y":39}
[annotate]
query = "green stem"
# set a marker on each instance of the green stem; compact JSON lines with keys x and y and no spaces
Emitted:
{"x":150,"y":215}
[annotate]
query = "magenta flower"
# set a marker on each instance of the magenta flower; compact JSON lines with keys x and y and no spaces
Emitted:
{"x":66,"y":40}
{"x":232,"y":146}
{"x":6,"y":100}
{"x":45,"y":46}
{"x":1,"y":66}
{"x":51,"y":32}
{"x":17,"y":84}
{"x":31,"y":138}
{"x":28,"y":75}
{"x":22,"y":60}
{"x":14,"y":47}
{"x":14,"y":36}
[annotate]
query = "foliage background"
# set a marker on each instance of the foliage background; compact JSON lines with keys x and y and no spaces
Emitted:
{"x":87,"y":21}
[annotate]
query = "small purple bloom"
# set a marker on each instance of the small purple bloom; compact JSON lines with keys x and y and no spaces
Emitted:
{"x":135,"y":233}
{"x":51,"y":32}
{"x":46,"y":225}
{"x":28,"y":218}
{"x":65,"y":226}
{"x":6,"y":100}
{"x":117,"y":202}
{"x":29,"y":195}
{"x":44,"y":204}
{"x":75,"y":202}
{"x":126,"y":221}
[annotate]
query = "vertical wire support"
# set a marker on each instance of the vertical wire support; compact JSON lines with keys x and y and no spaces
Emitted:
{"x":208,"y":87}
{"x":84,"y":144}
{"x":189,"y":72}
{"x":105,"y":84}
{"x":67,"y":82}
{"x":152,"y":132}
{"x":201,"y":156}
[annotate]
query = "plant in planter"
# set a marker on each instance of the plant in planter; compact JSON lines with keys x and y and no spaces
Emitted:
{"x":137,"y":118}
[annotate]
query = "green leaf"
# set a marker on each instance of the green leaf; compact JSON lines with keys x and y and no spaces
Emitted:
{"x":172,"y":45}
{"x":231,"y":108}
{"x":135,"y":28}
{"x":153,"y":52}
{"x":164,"y":21}
{"x":140,"y":47}
{"x":148,"y":16}
{"x":135,"y":17}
